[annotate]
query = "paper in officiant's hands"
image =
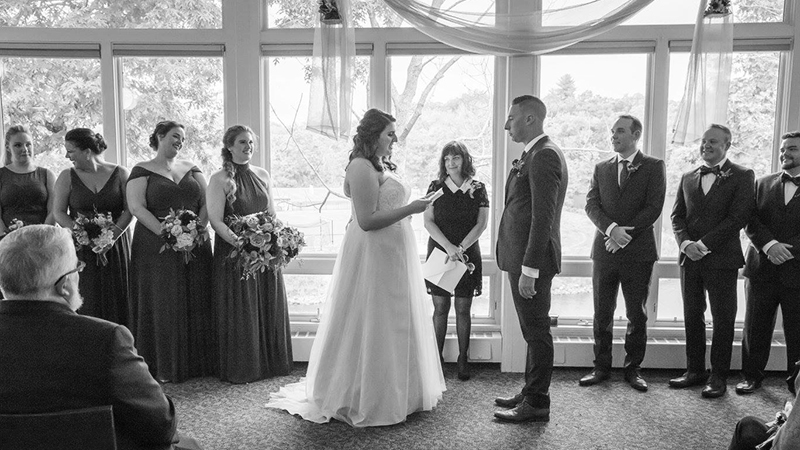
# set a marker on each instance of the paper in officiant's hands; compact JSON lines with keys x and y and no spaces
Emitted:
{"x":443,"y":272}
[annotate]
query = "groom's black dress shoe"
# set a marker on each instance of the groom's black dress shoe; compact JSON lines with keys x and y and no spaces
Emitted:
{"x":716,"y":387}
{"x":509,"y":402}
{"x":594,"y":377}
{"x":524,"y":412}
{"x":689,"y":379}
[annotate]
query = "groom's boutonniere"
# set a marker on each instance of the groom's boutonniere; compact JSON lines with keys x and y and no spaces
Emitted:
{"x":633,"y":168}
{"x":516,"y":167}
{"x":723,"y":175}
{"x":474,"y":186}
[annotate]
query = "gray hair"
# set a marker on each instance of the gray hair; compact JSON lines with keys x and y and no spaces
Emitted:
{"x":32,"y":257}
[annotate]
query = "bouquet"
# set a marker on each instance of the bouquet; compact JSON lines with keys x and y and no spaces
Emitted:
{"x":15,"y":225}
{"x":181,"y":232}
{"x":95,"y":232}
{"x":263,"y":241}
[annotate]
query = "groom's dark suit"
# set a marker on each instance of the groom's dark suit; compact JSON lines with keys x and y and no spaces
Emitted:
{"x":715,"y":219}
{"x":529,"y":236}
{"x":769,"y":285}
{"x":52,"y":359}
{"x":636,"y":203}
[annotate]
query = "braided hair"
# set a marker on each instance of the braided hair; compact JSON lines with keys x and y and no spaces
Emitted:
{"x":228,"y":139}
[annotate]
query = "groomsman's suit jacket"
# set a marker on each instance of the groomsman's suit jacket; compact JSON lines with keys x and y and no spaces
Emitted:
{"x":530,"y":229}
{"x":774,"y":219}
{"x":716,"y":217}
{"x":636,"y":203}
{"x":52,"y":359}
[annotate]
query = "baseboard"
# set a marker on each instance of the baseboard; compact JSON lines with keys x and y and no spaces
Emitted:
{"x":484,"y":346}
{"x":571,"y":351}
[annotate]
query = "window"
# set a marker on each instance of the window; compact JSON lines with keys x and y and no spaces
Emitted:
{"x":751,"y":117}
{"x":582,"y":106}
{"x":685,"y":12}
{"x":752,"y":107}
{"x":112,"y":14}
{"x":50,"y":96}
{"x":437,"y":99}
{"x":187,"y":90}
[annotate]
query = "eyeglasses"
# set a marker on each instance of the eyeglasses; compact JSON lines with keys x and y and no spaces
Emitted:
{"x":78,"y":269}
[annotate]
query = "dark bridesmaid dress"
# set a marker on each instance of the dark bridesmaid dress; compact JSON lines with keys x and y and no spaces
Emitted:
{"x":175,"y":326}
{"x":23,"y":196}
{"x":104,"y":288}
{"x":254,"y":335}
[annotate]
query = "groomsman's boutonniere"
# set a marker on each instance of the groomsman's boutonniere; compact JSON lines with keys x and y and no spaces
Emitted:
{"x":723,"y":175}
{"x":474,"y":186}
{"x":516,"y":167}
{"x":633,"y":168}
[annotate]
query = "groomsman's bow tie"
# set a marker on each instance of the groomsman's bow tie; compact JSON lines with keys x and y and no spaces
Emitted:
{"x":705,"y":170}
{"x":786,"y":177}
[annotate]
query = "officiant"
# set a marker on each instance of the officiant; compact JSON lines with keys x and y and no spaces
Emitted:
{"x":455,"y":222}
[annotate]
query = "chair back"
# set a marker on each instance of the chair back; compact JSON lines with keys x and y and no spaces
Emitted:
{"x":84,"y":429}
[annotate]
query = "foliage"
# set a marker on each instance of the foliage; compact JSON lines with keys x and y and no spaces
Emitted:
{"x":111,"y":13}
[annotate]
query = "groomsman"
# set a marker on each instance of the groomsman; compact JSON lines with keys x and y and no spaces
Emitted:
{"x":772,"y":268}
{"x":713,"y":203}
{"x":624,"y":201}
{"x":529,"y":249}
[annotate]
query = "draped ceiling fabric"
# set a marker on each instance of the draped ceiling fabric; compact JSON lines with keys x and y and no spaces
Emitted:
{"x":705,"y":96}
{"x":331,"y":91}
{"x":560,"y":24}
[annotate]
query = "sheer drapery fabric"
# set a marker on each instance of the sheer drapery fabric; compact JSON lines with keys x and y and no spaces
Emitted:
{"x":705,"y":96}
{"x":559,"y":24}
{"x":331,"y":90}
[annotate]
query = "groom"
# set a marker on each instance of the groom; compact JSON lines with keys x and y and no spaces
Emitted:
{"x":529,"y":249}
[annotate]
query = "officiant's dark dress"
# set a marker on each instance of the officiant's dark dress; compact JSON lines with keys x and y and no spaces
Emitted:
{"x":253,"y":318}
{"x":104,"y":288}
{"x":176,"y":325}
{"x":456,"y":214}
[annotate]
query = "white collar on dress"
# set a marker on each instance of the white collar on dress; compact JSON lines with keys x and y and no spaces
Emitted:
{"x":464,"y":186}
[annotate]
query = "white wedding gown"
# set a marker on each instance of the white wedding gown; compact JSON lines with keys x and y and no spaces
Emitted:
{"x":374,"y":360}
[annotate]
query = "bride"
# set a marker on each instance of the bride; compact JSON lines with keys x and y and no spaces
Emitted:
{"x":374,"y":360}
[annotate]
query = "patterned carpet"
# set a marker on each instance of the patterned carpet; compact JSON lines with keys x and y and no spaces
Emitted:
{"x":609,"y":416}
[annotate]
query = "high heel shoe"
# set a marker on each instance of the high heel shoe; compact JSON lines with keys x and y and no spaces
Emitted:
{"x":463,"y":369}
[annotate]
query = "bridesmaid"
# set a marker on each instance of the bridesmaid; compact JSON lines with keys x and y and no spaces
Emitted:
{"x":252,"y":315}
{"x":95,"y":185}
{"x":175,"y":324}
{"x":26,"y":191}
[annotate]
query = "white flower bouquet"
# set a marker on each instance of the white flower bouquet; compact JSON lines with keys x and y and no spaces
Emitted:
{"x":95,"y":232}
{"x":262,"y":242}
{"x":15,"y":225}
{"x":181,"y":232}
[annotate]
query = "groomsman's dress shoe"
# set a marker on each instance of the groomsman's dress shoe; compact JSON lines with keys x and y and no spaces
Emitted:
{"x":716,"y":387}
{"x":634,"y":378}
{"x":747,"y":387}
{"x":524,"y":412}
{"x":509,"y":402}
{"x":594,"y":377}
{"x":689,"y":379}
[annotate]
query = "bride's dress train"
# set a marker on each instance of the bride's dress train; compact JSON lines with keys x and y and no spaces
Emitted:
{"x":374,"y":360}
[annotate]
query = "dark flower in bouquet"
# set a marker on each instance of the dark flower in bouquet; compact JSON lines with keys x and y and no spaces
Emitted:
{"x":262,"y":242}
{"x":95,"y":232}
{"x":181,"y":232}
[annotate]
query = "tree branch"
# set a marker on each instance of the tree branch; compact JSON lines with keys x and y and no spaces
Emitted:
{"x":424,"y":97}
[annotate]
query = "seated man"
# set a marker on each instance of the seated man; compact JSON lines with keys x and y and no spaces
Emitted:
{"x":751,"y":432}
{"x":52,"y":359}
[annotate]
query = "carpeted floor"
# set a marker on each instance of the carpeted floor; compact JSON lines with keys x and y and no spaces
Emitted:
{"x":609,"y":416}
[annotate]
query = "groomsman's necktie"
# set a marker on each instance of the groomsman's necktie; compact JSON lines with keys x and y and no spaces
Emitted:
{"x":786,"y":177}
{"x":623,"y":174}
